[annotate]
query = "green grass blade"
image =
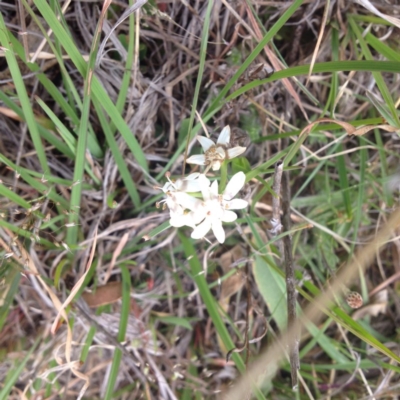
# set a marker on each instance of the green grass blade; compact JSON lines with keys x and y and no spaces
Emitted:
{"x":23,"y":95}
{"x":67,"y":136}
{"x":125,"y":84}
{"x":46,"y":134}
{"x":36,"y":183}
{"x":344,"y":183}
{"x":13,"y":197}
{"x":324,"y":67}
{"x":93,"y":144}
{"x":377,"y":75}
{"x":10,"y":277}
{"x":14,"y":374}
{"x":334,"y":81}
{"x":118,"y":157}
{"x":203,"y":52}
{"x":329,"y":345}
{"x":88,"y":343}
{"x":123,"y":323}
{"x":382,"y":48}
{"x":359,"y":331}
{"x":80,"y":157}
{"x":98,"y":91}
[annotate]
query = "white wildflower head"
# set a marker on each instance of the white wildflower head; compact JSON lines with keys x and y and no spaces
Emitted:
{"x":216,"y":208}
{"x":188,"y":184}
{"x":180,"y":203}
{"x":185,"y":210}
{"x":216,"y":153}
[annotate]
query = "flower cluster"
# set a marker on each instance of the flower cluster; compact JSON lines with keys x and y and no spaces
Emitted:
{"x":183,"y":196}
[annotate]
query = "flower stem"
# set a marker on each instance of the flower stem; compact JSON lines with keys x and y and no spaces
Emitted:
{"x":224,"y":176}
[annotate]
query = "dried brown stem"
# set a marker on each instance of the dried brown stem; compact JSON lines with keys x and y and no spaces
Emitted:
{"x":276,"y":226}
{"x":276,"y":200}
{"x":290,"y":279}
{"x":248,"y":308}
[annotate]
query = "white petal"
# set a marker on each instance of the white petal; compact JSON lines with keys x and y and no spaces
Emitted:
{"x":198,"y":215}
{"x":188,"y":184}
{"x":234,"y":185}
{"x":177,"y":220}
{"x":205,"y":187}
{"x":218,"y":230}
{"x":201,"y":230}
{"x":236,"y":204}
{"x":205,"y":182}
{"x":187,"y":201}
{"x":206,"y":143}
{"x":228,"y":216}
{"x":193,"y":176}
{"x":197,"y":159}
{"x":224,"y":136}
{"x":173,"y":205}
{"x":167,"y":187}
{"x":216,"y":165}
{"x":184,"y":185}
{"x":220,"y":152}
{"x":236,"y":151}
{"x":214,"y":189}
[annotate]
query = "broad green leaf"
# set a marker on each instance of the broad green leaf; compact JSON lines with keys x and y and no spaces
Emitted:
{"x":272,"y":288}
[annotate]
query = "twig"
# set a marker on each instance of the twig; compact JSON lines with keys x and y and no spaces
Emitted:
{"x":290,"y":279}
{"x":281,"y":187}
{"x":276,"y":226}
{"x":248,"y":308}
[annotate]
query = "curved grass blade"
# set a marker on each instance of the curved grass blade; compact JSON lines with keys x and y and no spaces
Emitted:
{"x":23,"y":95}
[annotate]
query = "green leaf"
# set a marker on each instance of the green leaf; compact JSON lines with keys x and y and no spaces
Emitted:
{"x":171,"y":320}
{"x":272,"y":288}
{"x":241,"y":164}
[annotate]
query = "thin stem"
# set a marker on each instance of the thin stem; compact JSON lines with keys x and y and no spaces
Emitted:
{"x":276,"y":205}
{"x":248,"y":289}
{"x":290,"y":279}
{"x":276,"y":199}
{"x":224,"y":176}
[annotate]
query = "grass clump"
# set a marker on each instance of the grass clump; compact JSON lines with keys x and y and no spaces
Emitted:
{"x":101,"y":297}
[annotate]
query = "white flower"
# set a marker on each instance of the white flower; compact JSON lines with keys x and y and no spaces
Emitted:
{"x":215,"y":154}
{"x":184,"y":210}
{"x":180,"y":203}
{"x":190,"y":183}
{"x":216,"y":208}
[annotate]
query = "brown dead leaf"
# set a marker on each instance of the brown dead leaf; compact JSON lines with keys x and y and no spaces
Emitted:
{"x":365,"y":129}
{"x":116,"y":254}
{"x":107,"y":294}
{"x":350,"y":129}
{"x":234,"y":283}
{"x":10,"y":113}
